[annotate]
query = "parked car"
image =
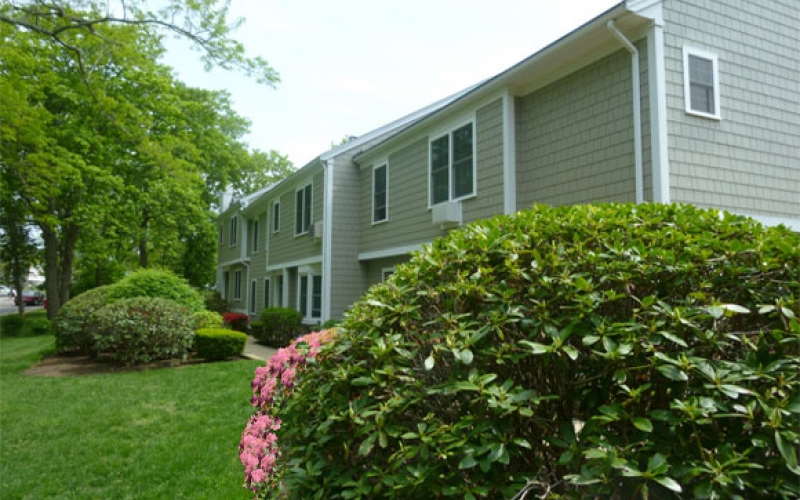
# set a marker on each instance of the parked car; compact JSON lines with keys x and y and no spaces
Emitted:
{"x":30,"y":298}
{"x":4,"y":290}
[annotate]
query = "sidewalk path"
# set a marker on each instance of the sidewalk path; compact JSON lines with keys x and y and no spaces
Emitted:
{"x":254,"y":350}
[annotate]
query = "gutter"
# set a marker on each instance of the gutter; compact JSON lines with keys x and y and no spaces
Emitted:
{"x":637,"y":108}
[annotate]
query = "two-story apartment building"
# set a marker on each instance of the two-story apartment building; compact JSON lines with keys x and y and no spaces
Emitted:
{"x":689,"y":101}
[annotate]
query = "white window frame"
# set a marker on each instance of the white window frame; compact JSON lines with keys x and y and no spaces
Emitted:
{"x":255,"y":235}
{"x":305,"y":228}
{"x":687,"y":84}
{"x":276,"y":217}
{"x":306,"y":307}
{"x":237,"y":285}
{"x":450,"y":177}
{"x":253,"y":292}
{"x":386,"y":272}
{"x":267,"y":292}
{"x":385,"y":166}
{"x":233,"y":236}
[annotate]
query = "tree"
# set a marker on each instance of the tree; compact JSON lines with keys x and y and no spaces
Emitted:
{"x":263,"y":170}
{"x":204,"y":22}
{"x":17,"y":250}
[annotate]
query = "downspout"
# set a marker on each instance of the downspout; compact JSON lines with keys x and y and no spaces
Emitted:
{"x":637,"y":109}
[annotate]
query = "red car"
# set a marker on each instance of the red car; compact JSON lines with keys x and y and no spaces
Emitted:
{"x":30,"y":298}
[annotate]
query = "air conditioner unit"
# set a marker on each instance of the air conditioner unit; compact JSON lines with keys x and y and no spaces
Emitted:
{"x":446,"y":215}
{"x":319,"y":229}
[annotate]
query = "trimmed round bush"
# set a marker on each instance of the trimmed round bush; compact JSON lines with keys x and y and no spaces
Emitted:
{"x":648,"y":351}
{"x":280,"y":326}
{"x":11,"y":325}
{"x":38,"y":326}
{"x":73,"y":325}
{"x":215,"y":344}
{"x":143,"y":329}
{"x":157,"y":283}
{"x":207,"y":319}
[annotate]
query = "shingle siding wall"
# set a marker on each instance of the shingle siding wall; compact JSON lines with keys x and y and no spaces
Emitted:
{"x":750,"y":160}
{"x":226,"y":252}
{"x":575,"y":137}
{"x":489,"y":197}
{"x":284,"y":245}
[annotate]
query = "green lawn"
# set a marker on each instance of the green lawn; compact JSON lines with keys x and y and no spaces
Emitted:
{"x":169,"y":433}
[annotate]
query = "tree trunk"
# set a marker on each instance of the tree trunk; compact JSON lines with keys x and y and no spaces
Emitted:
{"x":59,"y":254}
{"x":143,"y":240}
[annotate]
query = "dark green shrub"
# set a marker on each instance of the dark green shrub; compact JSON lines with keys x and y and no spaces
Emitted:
{"x":236,"y":321}
{"x":157,"y":283}
{"x":143,"y":329}
{"x":281,"y":325}
{"x":73,"y":325}
{"x":256,"y":327}
{"x":214,"y":301}
{"x":206,"y":319}
{"x":644,"y":351}
{"x":11,"y":325}
{"x":219,"y":343}
{"x":38,"y":326}
{"x":331,"y":323}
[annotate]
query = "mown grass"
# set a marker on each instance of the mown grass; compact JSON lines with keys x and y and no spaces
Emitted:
{"x":167,"y":433}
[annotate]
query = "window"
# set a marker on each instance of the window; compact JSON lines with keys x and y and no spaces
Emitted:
{"x":701,"y":83}
{"x":267,"y":290}
{"x":255,"y":236}
{"x":310,"y":295}
{"x":276,"y":217}
{"x":237,"y":285}
{"x":279,"y":292}
{"x":452,"y":166}
{"x":253,"y":297}
{"x":302,"y":215}
{"x":379,"y":194}
{"x":234,"y":230}
{"x":386,"y":273}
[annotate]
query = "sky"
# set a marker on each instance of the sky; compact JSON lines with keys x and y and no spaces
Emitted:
{"x":350,"y":66}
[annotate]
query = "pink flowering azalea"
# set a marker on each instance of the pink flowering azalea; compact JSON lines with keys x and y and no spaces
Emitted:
{"x":258,"y":449}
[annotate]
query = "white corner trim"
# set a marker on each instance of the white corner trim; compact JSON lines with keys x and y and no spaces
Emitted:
{"x":509,"y":154}
{"x":659,"y":147}
{"x":327,"y":234}
{"x":390,"y":252}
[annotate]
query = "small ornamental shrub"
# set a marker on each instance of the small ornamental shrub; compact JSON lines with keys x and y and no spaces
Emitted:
{"x":256,"y":328}
{"x":38,"y":326}
{"x":648,"y":351}
{"x":215,"y":344}
{"x":11,"y":325}
{"x":207,"y":319}
{"x":143,"y":329}
{"x":331,"y":323}
{"x":73,"y":325}
{"x":157,"y":283}
{"x":273,"y":384}
{"x":214,"y":302}
{"x":280,"y":326}
{"x":236,"y":321}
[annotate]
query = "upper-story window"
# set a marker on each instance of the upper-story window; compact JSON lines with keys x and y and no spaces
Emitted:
{"x":234,"y":230}
{"x":380,"y":193}
{"x":701,"y":83}
{"x":452,"y":165}
{"x":255,"y":235}
{"x":302,"y":215}
{"x":276,"y":217}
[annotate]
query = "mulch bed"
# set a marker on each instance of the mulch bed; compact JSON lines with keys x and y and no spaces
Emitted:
{"x":67,"y":365}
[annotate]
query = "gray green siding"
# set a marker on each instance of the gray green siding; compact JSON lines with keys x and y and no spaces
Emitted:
{"x":749,"y":161}
{"x":575,"y":137}
{"x":284,"y":246}
{"x":409,"y":220}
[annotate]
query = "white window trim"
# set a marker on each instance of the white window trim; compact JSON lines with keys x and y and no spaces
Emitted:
{"x":276,"y":208}
{"x":687,"y":94}
{"x":237,"y":285}
{"x":309,"y":274}
{"x":385,"y":270}
{"x":233,"y":235}
{"x":311,"y":208}
{"x":375,"y":168}
{"x":449,"y":131}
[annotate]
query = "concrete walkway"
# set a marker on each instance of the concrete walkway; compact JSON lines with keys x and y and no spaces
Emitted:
{"x":254,"y":350}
